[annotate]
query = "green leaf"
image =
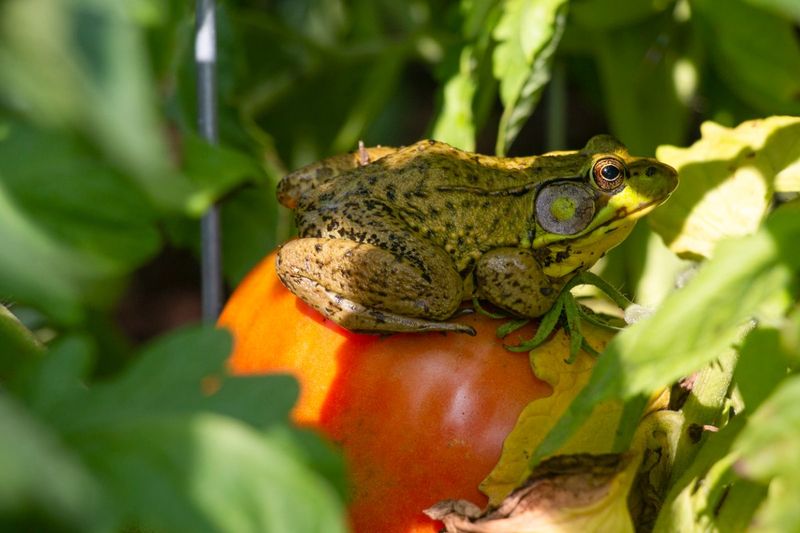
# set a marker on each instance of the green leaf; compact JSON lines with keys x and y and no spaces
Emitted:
{"x":18,"y":346}
{"x":149,"y":12}
{"x":306,"y":446}
{"x":787,"y":8}
{"x":691,"y":497}
{"x":756,"y":52}
{"x":647,"y":109}
{"x":762,"y":366}
{"x":736,"y":504}
{"x":693,"y":325}
{"x":249,"y":224}
{"x":82,"y":64}
{"x":768,"y":443}
{"x":182,"y":373}
{"x":216,"y":170}
{"x":727,"y":179}
{"x":711,"y":497}
{"x":706,"y":406}
{"x":456,"y":122}
{"x":174,"y":440}
{"x":768,"y":453}
{"x":612,"y":14}
{"x":249,"y":230}
{"x":75,"y":225}
{"x":206,"y":472}
{"x":790,"y":338}
{"x":57,"y":376}
{"x":27,"y":275}
{"x":527,"y":36}
{"x":76,"y":198}
{"x":377,"y":87}
{"x":42,"y":485}
{"x":642,"y":266}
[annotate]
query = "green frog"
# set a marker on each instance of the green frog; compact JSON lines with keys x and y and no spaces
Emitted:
{"x":395,"y":239}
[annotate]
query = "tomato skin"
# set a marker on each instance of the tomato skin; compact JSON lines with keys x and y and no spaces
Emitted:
{"x":419,"y":417}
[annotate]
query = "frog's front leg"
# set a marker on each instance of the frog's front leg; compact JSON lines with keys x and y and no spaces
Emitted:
{"x":512,"y":279}
{"x":366,"y":288}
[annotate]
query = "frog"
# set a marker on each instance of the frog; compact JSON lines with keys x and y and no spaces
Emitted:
{"x":396,"y":239}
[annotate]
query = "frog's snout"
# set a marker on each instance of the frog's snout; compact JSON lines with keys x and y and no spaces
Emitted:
{"x":653,"y":178}
{"x":669,"y":175}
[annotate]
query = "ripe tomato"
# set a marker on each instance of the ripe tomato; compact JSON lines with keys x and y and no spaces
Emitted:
{"x":419,"y":417}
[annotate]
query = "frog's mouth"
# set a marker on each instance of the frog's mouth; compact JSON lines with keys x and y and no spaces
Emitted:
{"x":624,"y":212}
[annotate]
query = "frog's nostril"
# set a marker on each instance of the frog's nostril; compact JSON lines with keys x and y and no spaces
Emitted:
{"x":651,"y":171}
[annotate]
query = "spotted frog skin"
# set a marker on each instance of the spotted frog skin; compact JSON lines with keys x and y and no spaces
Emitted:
{"x":394,"y":239}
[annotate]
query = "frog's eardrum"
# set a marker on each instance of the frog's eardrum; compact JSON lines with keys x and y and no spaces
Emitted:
{"x":565,"y":208}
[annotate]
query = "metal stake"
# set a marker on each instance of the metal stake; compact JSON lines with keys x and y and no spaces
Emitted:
{"x":205,"y":51}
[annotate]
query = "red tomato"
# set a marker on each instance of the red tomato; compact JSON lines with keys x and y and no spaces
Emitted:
{"x":419,"y":417}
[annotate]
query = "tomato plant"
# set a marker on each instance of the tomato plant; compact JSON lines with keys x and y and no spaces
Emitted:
{"x":419,"y":417}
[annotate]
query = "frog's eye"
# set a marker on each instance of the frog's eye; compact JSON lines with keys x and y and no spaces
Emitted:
{"x":608,"y":174}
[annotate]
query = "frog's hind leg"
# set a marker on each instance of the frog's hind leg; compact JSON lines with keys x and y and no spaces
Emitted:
{"x":363,"y":287}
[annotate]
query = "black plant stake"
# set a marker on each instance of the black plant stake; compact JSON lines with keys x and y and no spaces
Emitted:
{"x":205,"y":51}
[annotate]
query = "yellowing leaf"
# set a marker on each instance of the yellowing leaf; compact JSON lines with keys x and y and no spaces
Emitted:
{"x":539,"y":416}
{"x":580,"y":492}
{"x":727,"y":179}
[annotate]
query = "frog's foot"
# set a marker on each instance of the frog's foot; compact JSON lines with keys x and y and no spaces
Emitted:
{"x":567,"y":311}
{"x":362,"y":319}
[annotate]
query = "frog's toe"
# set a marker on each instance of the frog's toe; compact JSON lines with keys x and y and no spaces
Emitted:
{"x":357,"y":317}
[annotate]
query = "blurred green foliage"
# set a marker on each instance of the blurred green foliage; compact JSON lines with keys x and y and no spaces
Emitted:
{"x":101,"y":170}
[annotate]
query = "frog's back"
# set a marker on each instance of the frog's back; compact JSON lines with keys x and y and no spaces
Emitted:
{"x":307,"y":180}
{"x":463,"y":202}
{"x":437,"y":192}
{"x":431,"y":166}
{"x":436,"y":163}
